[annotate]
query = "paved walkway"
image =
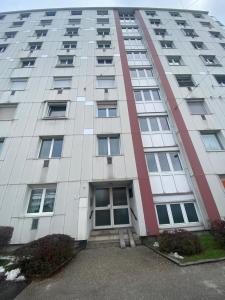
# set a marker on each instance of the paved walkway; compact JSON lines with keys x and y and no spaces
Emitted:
{"x":113,"y":273}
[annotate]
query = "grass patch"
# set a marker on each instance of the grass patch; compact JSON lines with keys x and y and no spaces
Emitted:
{"x":211,"y":249}
{"x":4,"y":262}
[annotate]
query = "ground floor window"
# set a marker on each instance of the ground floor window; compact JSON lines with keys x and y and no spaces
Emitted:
{"x":177,"y":213}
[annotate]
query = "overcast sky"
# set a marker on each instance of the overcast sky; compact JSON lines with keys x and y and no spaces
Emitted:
{"x":215,"y":7}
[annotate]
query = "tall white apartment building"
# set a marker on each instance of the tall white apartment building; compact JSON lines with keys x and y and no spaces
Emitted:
{"x":111,"y":118}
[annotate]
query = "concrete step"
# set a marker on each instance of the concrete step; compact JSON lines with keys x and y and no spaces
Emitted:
{"x":102,"y":244}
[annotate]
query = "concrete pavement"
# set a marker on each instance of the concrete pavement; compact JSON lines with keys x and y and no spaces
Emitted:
{"x":131,"y":273}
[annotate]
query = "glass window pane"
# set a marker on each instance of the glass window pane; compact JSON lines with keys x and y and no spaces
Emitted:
{"x":143,"y":124}
{"x":101,"y":112}
{"x":162,"y":214}
{"x":147,"y":95}
{"x":119,"y":196}
{"x":197,"y":107}
{"x":154,"y":124}
{"x":114,"y":145}
{"x":102,"y":146}
{"x":141,"y":73}
{"x":137,"y":95}
{"x":35,"y":201}
{"x":177,"y":213}
{"x":152,"y":166}
{"x":191,"y":212}
{"x":57,"y":110}
{"x":175,"y":161}
{"x":133,"y":73}
{"x":45,"y":148}
{"x":164,"y":165}
{"x":121,"y":216}
{"x":149,"y":72}
{"x":155,"y":95}
{"x":57,"y":148}
{"x":211,"y":142}
{"x":49,"y":200}
{"x":164,"y":123}
{"x":112,"y":112}
{"x":102,"y":217}
{"x":102,"y":197}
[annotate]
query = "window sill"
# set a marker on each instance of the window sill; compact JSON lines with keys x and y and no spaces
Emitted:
{"x":55,"y":118}
{"x":211,"y":151}
{"x":32,"y":215}
{"x":213,"y":65}
{"x":64,"y":66}
{"x":116,"y":117}
{"x":104,"y":65}
{"x":117,"y":155}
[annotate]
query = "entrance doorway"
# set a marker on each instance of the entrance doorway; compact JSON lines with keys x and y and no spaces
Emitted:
{"x":111,"y":207}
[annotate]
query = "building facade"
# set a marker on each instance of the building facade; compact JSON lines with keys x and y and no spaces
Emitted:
{"x":111,"y":118}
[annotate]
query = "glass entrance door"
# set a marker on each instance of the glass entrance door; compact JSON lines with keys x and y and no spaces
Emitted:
{"x":111,"y":208}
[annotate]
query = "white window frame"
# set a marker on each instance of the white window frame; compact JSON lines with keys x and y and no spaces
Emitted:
{"x":108,"y":144}
{"x":45,"y":22}
{"x":184,"y":214}
{"x":74,"y":31}
{"x":106,"y":78}
{"x":142,"y":55}
{"x":55,"y":79}
{"x":160,"y":32}
{"x":56,"y":103}
{"x":36,"y":44}
{"x":134,"y":31}
{"x":197,"y":47}
{"x":74,"y":22}
{"x":9,"y":105}
{"x":104,"y":58}
{"x":158,"y":122}
{"x":41,"y":33}
{"x":66,"y":59}
{"x":31,"y":62}
{"x":103,"y":31}
{"x":190,"y":32}
{"x":137,"y":71}
{"x":104,"y":43}
{"x":216,"y":134}
{"x":164,"y":44}
{"x":2,"y":141}
{"x":51,"y":147}
{"x":175,"y":60}
{"x":43,"y":188}
{"x":106,"y":106}
{"x":3,"y":47}
{"x":201,"y":101}
{"x":210,"y":60}
{"x":24,"y":80}
{"x":69,"y":43}
{"x":151,"y":95}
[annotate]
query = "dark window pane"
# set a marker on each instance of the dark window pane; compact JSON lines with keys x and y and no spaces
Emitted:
{"x":163,"y":162}
{"x":119,"y":196}
{"x":57,"y":110}
{"x":35,"y":201}
{"x":155,"y":94}
{"x":164,"y":123}
{"x":177,"y":213}
{"x":143,"y":124}
{"x":102,"y":217}
{"x":137,"y":95}
{"x":112,"y":112}
{"x":57,"y":148}
{"x":45,"y":148}
{"x":152,"y":167}
{"x":102,"y":146}
{"x":191,"y":212}
{"x":102,"y":197}
{"x":121,"y":216}
{"x":114,"y":145}
{"x":101,"y":112}
{"x":49,"y":200}
{"x":162,"y":214}
{"x":154,"y":124}
{"x":175,"y":161}
{"x":147,"y":95}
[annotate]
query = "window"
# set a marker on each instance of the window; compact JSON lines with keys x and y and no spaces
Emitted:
{"x":133,"y":31}
{"x":65,"y":61}
{"x":104,"y":44}
{"x":109,"y":145}
{"x":141,"y":73}
{"x":71,"y":31}
{"x":197,"y":107}
{"x":185,"y":80}
{"x":206,"y":24}
{"x":27,"y":62}
{"x":163,"y":162}
{"x":69,"y":45}
{"x":176,"y":213}
{"x":199,"y":45}
{"x":45,"y":22}
{"x":56,"y":109}
{"x":102,"y":12}
{"x":212,"y":141}
{"x":42,"y":200}
{"x":17,"y":24}
{"x":198,"y":15}
{"x":210,"y":60}
{"x":161,"y":32}
{"x":51,"y":147}
{"x":34,"y":46}
{"x":182,"y":23}
{"x":24,"y":15}
{"x":133,"y":42}
{"x":18,"y":84}
{"x":107,"y":110}
{"x":152,"y":124}
{"x":40,"y":33}
{"x":7,"y":111}
{"x":137,"y":55}
{"x":101,"y":60}
{"x":220,"y":79}
{"x":1,"y":144}
{"x":175,"y":60}
{"x":151,"y":13}
{"x":167,"y":44}
{"x":127,"y":20}
{"x":156,"y":22}
{"x":2,"y":17}
{"x":50,"y":13}
{"x":76,"y":12}
{"x":74,"y":21}
{"x":105,"y":82}
{"x":221,"y":44}
{"x":62,"y":82}
{"x":103,"y":31}
{"x":189,"y":32}
{"x":10,"y":34}
{"x":103,"y":21}
{"x":174,"y":14}
{"x":216,"y":34}
{"x":3,"y":48}
{"x":147,"y":95}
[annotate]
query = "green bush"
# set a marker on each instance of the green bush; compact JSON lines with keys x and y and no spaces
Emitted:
{"x":181,"y":241}
{"x":218,"y":231}
{"x":5,"y":235}
{"x":42,"y":257}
